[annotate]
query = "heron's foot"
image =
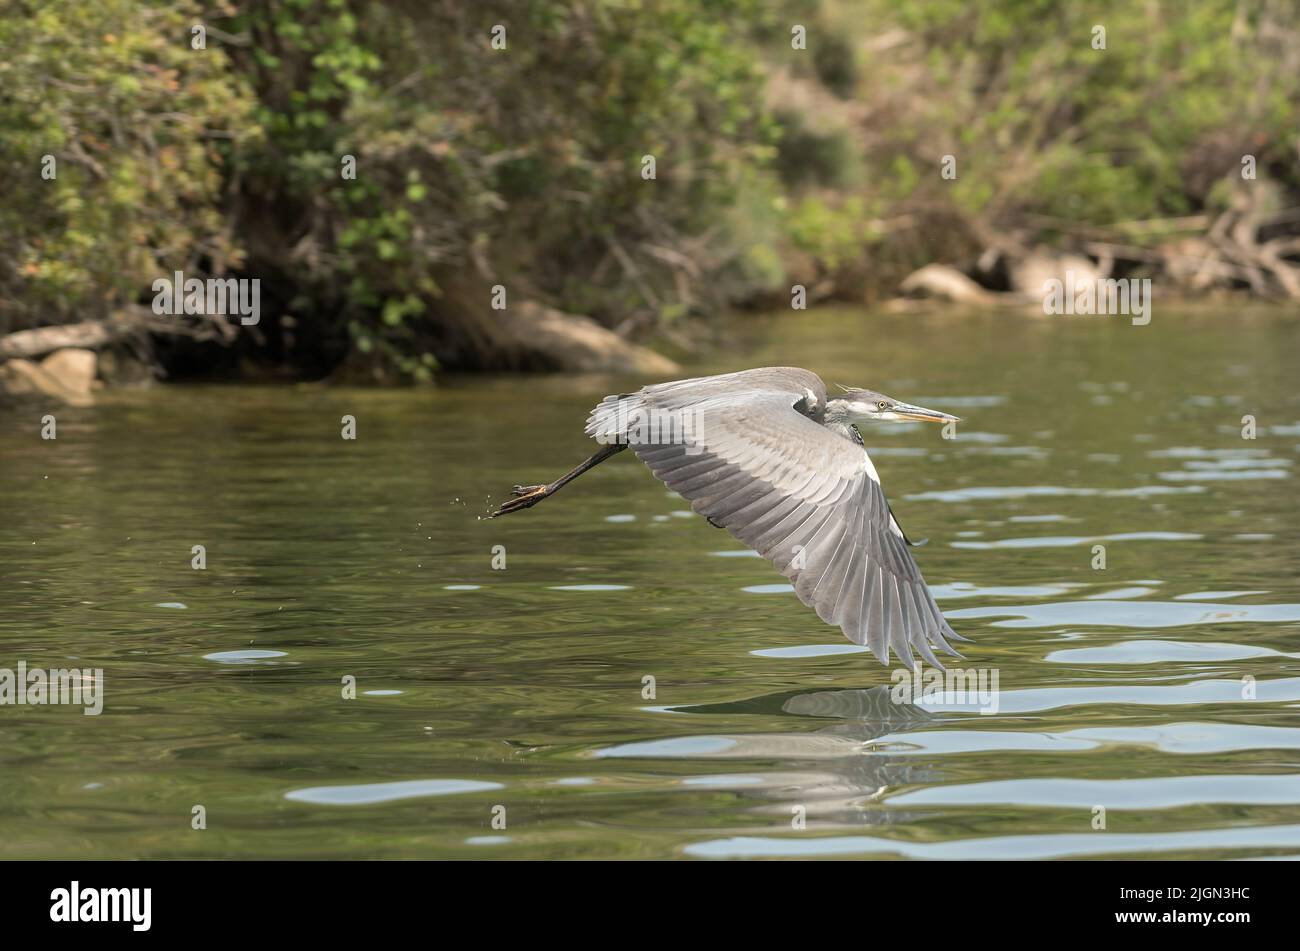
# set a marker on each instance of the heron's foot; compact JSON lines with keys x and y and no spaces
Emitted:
{"x":524,"y":496}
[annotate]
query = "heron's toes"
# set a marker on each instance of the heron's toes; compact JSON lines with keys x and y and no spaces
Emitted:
{"x":525,"y":496}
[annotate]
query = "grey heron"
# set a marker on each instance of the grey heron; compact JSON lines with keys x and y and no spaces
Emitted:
{"x":768,"y":456}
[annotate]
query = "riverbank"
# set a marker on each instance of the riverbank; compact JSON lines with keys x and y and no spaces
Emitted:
{"x":415,"y":192}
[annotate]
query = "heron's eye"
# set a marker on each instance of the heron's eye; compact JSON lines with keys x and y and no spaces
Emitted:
{"x":883,"y":405}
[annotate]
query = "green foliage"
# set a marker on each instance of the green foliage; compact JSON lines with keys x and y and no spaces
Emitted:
{"x":809,"y":157}
{"x":833,"y":234}
{"x":1043,"y":126}
{"x":1041,"y":120}
{"x":140,"y":127}
{"x":521,"y":163}
{"x":523,"y":166}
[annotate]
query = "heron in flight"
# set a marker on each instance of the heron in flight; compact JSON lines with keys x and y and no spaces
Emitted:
{"x":768,"y":456}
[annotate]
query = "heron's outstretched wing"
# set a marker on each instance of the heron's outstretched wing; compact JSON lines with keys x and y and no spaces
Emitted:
{"x":802,"y":496}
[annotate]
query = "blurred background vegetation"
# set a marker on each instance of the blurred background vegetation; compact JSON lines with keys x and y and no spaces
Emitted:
{"x":523,"y":166}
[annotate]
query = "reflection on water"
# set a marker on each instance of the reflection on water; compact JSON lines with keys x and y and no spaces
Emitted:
{"x":351,"y":676}
{"x":1063,"y":541}
{"x":1096,"y":612}
{"x":1276,"y":840}
{"x":368,"y":793}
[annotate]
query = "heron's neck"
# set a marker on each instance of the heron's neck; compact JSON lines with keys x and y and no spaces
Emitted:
{"x":842,"y":427}
{"x":837,"y":421}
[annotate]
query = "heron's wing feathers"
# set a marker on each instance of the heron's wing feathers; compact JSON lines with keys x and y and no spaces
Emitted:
{"x":610,"y":420}
{"x":799,"y":494}
{"x":899,"y":528}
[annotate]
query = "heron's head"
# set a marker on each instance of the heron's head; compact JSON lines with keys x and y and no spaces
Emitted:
{"x":862,"y":406}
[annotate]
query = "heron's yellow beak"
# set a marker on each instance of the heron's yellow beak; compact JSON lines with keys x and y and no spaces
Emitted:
{"x":921,"y":414}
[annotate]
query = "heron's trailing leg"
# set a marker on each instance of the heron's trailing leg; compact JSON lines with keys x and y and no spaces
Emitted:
{"x":526,"y":496}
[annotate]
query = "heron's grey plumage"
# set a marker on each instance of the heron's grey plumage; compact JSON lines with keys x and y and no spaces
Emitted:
{"x":763,"y":461}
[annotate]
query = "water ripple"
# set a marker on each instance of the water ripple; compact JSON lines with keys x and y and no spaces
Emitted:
{"x":977,"y":493}
{"x":1065,"y":541}
{"x":1004,"y":847}
{"x":1160,"y":652}
{"x":368,"y":793}
{"x":1148,"y":614}
{"x":1165,"y":792}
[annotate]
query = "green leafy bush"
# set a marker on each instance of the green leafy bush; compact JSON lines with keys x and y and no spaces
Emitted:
{"x":140,"y":127}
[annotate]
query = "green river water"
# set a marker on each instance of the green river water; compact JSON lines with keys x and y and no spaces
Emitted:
{"x":1157,"y":696}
